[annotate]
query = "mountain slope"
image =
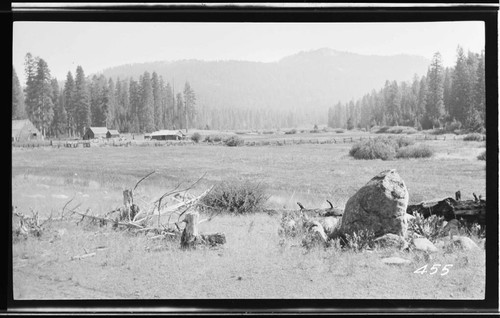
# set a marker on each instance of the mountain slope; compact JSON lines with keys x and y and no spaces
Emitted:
{"x":306,"y":80}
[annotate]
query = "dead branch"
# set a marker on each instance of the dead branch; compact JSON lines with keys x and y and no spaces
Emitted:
{"x":331,"y":211}
{"x":143,"y":178}
{"x":180,"y":191}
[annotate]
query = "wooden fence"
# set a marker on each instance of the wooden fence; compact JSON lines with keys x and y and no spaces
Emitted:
{"x":157,"y":143}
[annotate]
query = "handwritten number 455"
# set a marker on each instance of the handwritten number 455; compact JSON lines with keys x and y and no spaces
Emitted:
{"x":434,"y":269}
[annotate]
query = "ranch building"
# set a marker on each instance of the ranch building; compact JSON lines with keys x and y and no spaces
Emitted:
{"x":167,"y":135}
{"x":24,"y":130}
{"x":95,"y":132}
{"x":112,"y":133}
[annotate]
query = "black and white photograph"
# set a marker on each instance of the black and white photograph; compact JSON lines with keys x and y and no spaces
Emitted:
{"x":157,"y":160}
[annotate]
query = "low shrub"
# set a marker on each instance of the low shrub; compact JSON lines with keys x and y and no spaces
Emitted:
{"x":340,"y":131}
{"x":388,"y":148}
{"x":234,"y":141}
{"x":213,"y":138}
{"x":358,"y":241}
{"x":291,"y":132}
{"x":378,"y":148}
{"x":196,"y":137}
{"x":415,"y":151}
{"x":430,"y":228}
{"x":380,"y":130}
{"x":475,"y":137}
{"x":401,"y":130}
{"x":405,"y":141}
{"x":235,"y":197}
{"x":482,"y":156}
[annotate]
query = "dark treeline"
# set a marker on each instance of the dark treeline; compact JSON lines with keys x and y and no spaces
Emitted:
{"x":452,"y":98}
{"x":130,"y":105}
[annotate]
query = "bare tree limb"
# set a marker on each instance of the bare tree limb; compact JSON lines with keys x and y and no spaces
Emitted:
{"x":143,"y":179}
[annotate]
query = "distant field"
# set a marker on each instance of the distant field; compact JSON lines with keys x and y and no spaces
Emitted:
{"x":308,"y":173}
{"x":251,"y":264}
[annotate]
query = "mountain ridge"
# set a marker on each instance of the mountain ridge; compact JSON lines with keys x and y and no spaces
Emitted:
{"x":308,"y":80}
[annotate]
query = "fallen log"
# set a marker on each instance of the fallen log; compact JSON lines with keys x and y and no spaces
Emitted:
{"x":331,"y":211}
{"x":472,"y":211}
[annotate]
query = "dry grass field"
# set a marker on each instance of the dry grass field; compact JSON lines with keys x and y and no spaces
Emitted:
{"x":253,"y":263}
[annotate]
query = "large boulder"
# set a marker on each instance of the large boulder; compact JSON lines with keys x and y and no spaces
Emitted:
{"x":379,"y":206}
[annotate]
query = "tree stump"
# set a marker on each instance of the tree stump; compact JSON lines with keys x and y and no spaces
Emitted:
{"x":190,"y":234}
{"x":191,"y":237}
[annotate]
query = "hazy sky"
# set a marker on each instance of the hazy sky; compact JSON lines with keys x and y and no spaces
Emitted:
{"x":99,"y":45}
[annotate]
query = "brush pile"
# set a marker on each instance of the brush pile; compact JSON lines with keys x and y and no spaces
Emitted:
{"x":160,"y":219}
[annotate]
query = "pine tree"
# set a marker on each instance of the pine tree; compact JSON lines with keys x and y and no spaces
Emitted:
{"x":99,"y":101}
{"x":146,"y":113}
{"x":447,"y":92}
{"x":422,"y":103}
{"x":434,"y":100}
{"x":157,"y":101}
{"x":460,"y":88}
{"x":17,"y":97}
{"x":112,"y":106}
{"x":59,"y":123}
{"x":69,"y":103}
{"x":179,"y":112}
{"x":189,"y":106}
{"x":480,"y":90}
{"x":82,"y":102}
{"x":134,"y":105}
{"x":43,"y":111}
{"x":474,"y":121}
{"x":169,"y":104}
{"x":393,"y":103}
{"x":30,"y":70}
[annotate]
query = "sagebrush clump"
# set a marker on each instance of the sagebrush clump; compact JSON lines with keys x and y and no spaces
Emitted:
{"x":415,"y":151}
{"x":235,"y":197}
{"x":234,"y":141}
{"x":196,"y":137}
{"x":474,"y":137}
{"x":482,"y":156}
{"x":430,"y":228}
{"x":387,"y":148}
{"x":378,"y":148}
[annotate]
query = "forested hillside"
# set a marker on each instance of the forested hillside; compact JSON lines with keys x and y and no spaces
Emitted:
{"x":298,"y":90}
{"x":450,"y":98}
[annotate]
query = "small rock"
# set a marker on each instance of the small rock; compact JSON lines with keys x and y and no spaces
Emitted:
{"x":424,"y":244}
{"x":465,"y":243}
{"x":395,"y":261}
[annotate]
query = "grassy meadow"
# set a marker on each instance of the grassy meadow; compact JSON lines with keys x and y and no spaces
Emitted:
{"x":253,"y":263}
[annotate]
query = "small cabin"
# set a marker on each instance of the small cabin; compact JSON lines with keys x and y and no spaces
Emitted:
{"x":167,"y":135}
{"x":95,"y":133}
{"x":112,"y":133}
{"x":24,"y":130}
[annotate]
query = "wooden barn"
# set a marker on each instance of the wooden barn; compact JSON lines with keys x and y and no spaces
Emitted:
{"x":167,"y":135}
{"x":95,"y":132}
{"x":112,"y":133}
{"x":24,"y":130}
